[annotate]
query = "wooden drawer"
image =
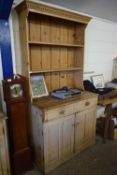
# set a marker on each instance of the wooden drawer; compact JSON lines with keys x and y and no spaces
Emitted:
{"x":59,"y":112}
{"x":85,"y":104}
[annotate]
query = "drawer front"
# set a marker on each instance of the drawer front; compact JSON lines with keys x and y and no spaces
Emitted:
{"x":85,"y":104}
{"x":59,"y":112}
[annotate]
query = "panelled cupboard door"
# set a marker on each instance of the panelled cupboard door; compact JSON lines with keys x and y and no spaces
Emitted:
{"x":90,"y":122}
{"x":79,"y":131}
{"x":84,"y":129}
{"x":51,"y":142}
{"x":66,"y":137}
{"x":4,"y":160}
{"x":58,"y":140}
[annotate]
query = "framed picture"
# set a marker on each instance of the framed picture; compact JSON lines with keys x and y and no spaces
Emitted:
{"x":38,"y":86}
{"x":98,"y":81}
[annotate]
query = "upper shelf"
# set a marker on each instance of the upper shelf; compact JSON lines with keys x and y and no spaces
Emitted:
{"x":57,"y":70}
{"x":55,"y":44}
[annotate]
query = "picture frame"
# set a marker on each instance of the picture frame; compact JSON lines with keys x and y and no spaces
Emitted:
{"x":38,"y":86}
{"x":98,"y":81}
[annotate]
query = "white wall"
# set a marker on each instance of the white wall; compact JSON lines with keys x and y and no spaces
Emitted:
{"x":17,"y":50}
{"x":100,"y":48}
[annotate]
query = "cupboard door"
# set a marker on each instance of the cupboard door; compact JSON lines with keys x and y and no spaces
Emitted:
{"x":79,"y":131}
{"x":4,"y":160}
{"x":51,"y":142}
{"x":66,"y":137}
{"x":84,"y":129}
{"x":90,"y":123}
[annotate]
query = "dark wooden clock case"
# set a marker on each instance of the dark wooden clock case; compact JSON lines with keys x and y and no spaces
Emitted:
{"x":17,"y":112}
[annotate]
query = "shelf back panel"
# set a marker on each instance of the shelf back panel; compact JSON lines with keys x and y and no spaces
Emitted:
{"x":50,"y":58}
{"x":44,"y":28}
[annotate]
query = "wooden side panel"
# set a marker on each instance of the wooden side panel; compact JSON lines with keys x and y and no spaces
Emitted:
{"x":4,"y":159}
{"x":46,"y":58}
{"x":55,"y":58}
{"x":78,"y":57}
{"x":35,"y":58}
{"x":80,"y":33}
{"x":24,"y":44}
{"x":37,"y":135}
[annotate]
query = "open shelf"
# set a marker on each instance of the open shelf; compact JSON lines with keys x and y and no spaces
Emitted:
{"x":55,"y":44}
{"x":56,"y":70}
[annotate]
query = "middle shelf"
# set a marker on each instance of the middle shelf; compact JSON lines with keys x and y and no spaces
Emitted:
{"x":57,"y":70}
{"x":55,"y":44}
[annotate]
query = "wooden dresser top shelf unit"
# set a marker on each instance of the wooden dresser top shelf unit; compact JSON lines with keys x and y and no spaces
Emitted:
{"x":52,"y":42}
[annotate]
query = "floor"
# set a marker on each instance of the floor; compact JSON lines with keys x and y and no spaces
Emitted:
{"x":101,"y":159}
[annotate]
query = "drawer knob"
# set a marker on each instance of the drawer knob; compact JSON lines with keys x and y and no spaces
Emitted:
{"x":61,"y":112}
{"x":87,"y":103}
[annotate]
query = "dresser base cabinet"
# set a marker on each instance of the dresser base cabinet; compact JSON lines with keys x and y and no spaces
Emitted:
{"x":4,"y":157}
{"x":59,"y":133}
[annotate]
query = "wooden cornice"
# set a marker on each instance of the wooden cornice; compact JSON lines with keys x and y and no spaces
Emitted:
{"x":32,"y":6}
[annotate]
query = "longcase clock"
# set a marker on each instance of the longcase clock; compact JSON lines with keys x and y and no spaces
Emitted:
{"x":16,"y":97}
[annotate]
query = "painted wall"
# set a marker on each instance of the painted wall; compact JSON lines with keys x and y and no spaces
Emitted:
{"x":16,"y":41}
{"x":100,"y":48}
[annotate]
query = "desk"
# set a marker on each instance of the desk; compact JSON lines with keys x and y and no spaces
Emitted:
{"x":108,"y":112}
